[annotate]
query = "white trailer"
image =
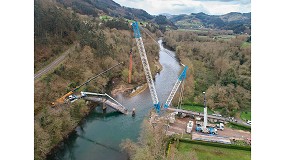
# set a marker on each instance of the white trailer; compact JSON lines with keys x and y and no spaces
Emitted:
{"x":189,"y":127}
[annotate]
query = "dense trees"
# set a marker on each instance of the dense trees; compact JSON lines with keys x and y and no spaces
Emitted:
{"x":237,"y":22}
{"x":54,"y":30}
{"x":119,"y":24}
{"x":152,"y":143}
{"x":219,"y":67}
{"x":98,"y":48}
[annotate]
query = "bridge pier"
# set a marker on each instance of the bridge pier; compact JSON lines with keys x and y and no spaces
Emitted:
{"x":104,"y":104}
{"x":105,"y":101}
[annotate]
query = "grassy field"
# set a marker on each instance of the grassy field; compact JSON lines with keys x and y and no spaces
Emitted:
{"x":245,"y":44}
{"x":106,"y":18}
{"x":214,"y":153}
{"x":237,"y":126}
{"x":225,"y":37}
{"x":245,"y":116}
{"x":196,"y":108}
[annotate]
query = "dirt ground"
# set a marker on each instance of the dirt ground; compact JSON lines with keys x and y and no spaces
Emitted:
{"x":233,"y":133}
{"x":179,"y":127}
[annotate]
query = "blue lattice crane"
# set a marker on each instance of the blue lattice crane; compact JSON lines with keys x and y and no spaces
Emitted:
{"x":176,"y":86}
{"x":146,"y":67}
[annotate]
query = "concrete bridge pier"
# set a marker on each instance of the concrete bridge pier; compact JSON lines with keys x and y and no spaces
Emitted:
{"x":104,"y":104}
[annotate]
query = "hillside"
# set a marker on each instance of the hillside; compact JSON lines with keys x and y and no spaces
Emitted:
{"x":113,"y":9}
{"x":219,"y":66}
{"x":109,"y":7}
{"x":238,"y":22}
{"x":99,"y":47}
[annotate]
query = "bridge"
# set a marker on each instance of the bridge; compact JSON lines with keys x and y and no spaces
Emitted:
{"x":211,"y":117}
{"x":196,"y":114}
{"x":104,"y":98}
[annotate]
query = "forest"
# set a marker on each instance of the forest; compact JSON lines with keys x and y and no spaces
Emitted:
{"x":218,"y":66}
{"x":98,"y":46}
{"x":221,"y":68}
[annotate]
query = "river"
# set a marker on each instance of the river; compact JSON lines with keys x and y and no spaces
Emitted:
{"x":99,"y":136}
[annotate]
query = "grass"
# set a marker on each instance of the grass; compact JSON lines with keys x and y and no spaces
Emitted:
{"x":245,"y":44}
{"x":238,"y":126}
{"x":245,"y":116}
{"x":224,"y":37}
{"x":196,"y":108}
{"x":106,"y":18}
{"x":214,"y":153}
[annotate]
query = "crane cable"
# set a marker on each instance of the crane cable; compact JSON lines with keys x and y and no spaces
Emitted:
{"x":182,"y":87}
{"x":181,"y":95}
{"x":159,"y":46}
{"x":97,"y":76}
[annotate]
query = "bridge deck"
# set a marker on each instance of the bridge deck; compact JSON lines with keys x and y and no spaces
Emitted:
{"x":196,"y":114}
{"x":108,"y":102}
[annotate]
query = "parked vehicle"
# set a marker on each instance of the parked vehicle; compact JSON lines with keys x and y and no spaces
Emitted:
{"x":172,"y":117}
{"x":72,"y":97}
{"x":220,"y":126}
{"x":189,"y":127}
{"x":208,"y":129}
{"x":248,"y":122}
{"x":197,"y":118}
{"x":211,"y":130}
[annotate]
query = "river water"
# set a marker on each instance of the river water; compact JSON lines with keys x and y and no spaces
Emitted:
{"x":99,"y":137}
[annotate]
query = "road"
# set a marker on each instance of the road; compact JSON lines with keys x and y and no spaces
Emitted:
{"x":53,"y":64}
{"x":209,"y":116}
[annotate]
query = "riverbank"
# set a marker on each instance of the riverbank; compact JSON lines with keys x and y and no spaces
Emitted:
{"x":65,"y":138}
{"x":101,"y":127}
{"x":138,"y":90}
{"x":127,"y":89}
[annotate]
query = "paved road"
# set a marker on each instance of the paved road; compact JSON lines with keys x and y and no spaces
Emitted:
{"x":54,"y":63}
{"x":209,"y":116}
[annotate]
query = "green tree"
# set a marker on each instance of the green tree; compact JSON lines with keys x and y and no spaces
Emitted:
{"x":229,"y":77}
{"x":102,"y":47}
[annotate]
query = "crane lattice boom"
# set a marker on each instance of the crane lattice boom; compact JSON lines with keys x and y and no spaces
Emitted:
{"x":146,"y":67}
{"x":175,"y":88}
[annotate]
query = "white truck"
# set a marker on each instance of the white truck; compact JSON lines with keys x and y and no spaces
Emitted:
{"x":220,"y":126}
{"x":189,"y":127}
{"x":208,"y":129}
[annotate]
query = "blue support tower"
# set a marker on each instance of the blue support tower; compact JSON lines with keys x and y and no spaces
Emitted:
{"x":175,"y":88}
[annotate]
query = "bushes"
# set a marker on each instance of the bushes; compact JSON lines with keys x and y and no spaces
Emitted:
{"x":221,"y":68}
{"x":119,"y":24}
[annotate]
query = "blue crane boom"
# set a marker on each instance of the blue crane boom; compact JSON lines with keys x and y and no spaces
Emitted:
{"x":146,"y":67}
{"x":175,"y":88}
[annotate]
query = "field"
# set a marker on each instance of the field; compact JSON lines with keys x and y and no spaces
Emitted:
{"x":238,"y":126}
{"x":245,"y":116}
{"x":106,"y":18}
{"x":196,"y":108}
{"x":225,"y":37}
{"x":245,"y":44}
{"x":214,"y":153}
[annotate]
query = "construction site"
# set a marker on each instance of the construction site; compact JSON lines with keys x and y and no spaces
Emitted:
{"x":200,"y":126}
{"x":176,"y":121}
